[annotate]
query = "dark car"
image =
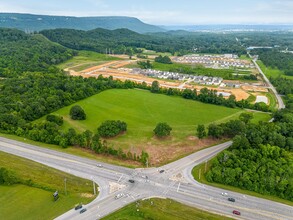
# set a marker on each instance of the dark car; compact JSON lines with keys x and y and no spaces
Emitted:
{"x":162,"y":171}
{"x":131,"y":181}
{"x":79,"y":206}
{"x":236,"y":212}
{"x":82,"y":211}
{"x":231,"y":199}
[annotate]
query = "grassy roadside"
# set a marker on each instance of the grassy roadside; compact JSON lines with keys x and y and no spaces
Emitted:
{"x":34,"y":200}
{"x":198,"y":173}
{"x":74,"y":151}
{"x":270,"y":72}
{"x":162,"y":209}
{"x":272,"y":100}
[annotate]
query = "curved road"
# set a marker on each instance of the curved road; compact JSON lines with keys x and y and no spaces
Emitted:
{"x":176,"y":182}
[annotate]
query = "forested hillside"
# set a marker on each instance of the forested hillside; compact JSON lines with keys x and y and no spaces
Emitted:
{"x":20,"y":52}
{"x":32,"y":23}
{"x":119,"y":40}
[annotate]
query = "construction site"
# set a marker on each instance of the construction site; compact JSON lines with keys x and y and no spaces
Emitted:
{"x":119,"y":69}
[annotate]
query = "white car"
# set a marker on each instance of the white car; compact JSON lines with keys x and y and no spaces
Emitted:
{"x":99,"y":165}
{"x":224,"y":194}
{"x":118,"y":196}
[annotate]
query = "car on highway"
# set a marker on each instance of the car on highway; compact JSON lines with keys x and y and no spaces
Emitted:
{"x":82,"y":211}
{"x":131,"y":181}
{"x":235,"y":212}
{"x":118,"y":196}
{"x":79,"y":206}
{"x":99,"y":165}
{"x":162,"y":171}
{"x":224,"y":194}
{"x":231,"y":199}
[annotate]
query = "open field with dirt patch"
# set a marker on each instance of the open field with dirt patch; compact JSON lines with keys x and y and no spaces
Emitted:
{"x":142,"y":110}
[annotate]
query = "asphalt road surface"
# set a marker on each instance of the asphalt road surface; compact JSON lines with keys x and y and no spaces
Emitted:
{"x":279,"y":98}
{"x":176,"y":182}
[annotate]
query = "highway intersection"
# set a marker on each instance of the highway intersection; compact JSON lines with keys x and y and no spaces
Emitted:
{"x":173,"y":180}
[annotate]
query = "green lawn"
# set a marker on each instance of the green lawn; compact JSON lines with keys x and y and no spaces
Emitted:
{"x":270,"y":72}
{"x":201,"y":169}
{"x":86,"y":59}
{"x":272,"y":100}
{"x":261,"y":116}
{"x":142,"y":110}
{"x":158,"y":209}
{"x":36,"y":202}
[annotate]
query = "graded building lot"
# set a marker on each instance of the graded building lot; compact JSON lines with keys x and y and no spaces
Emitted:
{"x":114,"y":68}
{"x":142,"y":110}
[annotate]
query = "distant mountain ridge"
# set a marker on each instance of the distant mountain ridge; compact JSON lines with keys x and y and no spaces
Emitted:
{"x":31,"y":22}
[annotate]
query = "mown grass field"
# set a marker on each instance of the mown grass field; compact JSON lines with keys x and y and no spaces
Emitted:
{"x":36,"y":201}
{"x":158,"y":209}
{"x":86,"y":59}
{"x":142,"y":110}
{"x":270,"y":72}
{"x":201,"y":169}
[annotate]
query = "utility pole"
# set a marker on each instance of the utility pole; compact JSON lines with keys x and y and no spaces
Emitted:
{"x":205,"y":168}
{"x":65,"y":186}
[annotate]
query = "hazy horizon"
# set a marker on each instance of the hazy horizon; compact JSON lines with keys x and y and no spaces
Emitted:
{"x":166,"y":13}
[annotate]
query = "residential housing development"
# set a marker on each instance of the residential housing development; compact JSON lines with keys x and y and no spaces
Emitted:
{"x":215,"y":61}
{"x":203,"y":80}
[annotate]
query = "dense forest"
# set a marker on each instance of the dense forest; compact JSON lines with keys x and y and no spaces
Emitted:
{"x":260,"y":158}
{"x":119,"y":40}
{"x":20,"y":52}
{"x":277,"y":60}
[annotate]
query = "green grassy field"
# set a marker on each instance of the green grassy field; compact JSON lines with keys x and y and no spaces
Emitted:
{"x":86,"y":59}
{"x":274,"y":73}
{"x":142,"y":110}
{"x":36,"y":201}
{"x":158,"y":209}
{"x":201,"y":169}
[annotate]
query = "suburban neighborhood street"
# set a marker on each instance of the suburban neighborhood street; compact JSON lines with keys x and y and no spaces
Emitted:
{"x":172,"y":181}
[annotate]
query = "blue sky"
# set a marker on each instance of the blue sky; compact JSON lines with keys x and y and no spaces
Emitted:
{"x":165,"y":12}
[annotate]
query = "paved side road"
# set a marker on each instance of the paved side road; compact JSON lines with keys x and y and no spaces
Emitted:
{"x":150,"y":183}
{"x":279,"y":98}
